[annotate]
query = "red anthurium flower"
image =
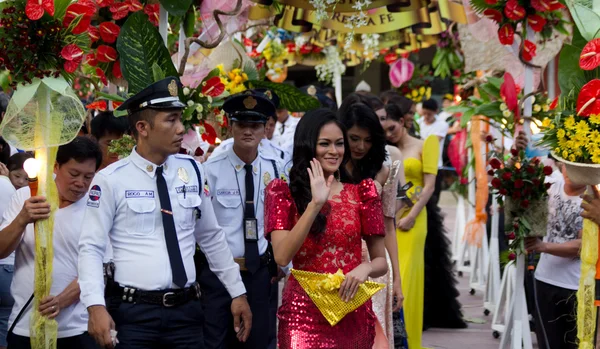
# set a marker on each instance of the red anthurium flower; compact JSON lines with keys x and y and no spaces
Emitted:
{"x":35,"y":8}
{"x":514,"y":11}
{"x":134,"y":5}
{"x":109,"y":32}
{"x":546,"y":5}
{"x":104,"y":3}
{"x":119,"y":10}
{"x":305,"y":49}
{"x":209,"y":135}
{"x":506,"y":34}
{"x":100,"y":105}
{"x":390,"y":58}
{"x":494,"y":15}
{"x":94,"y":33}
{"x":491,"y":2}
{"x":116,"y":70}
{"x":529,"y":50}
{"x":71,"y":66}
{"x":317,"y":49}
{"x":554,"y":103}
{"x":588,"y":101}
{"x":106,"y":54}
{"x":508,"y":92}
{"x":72,"y":52}
{"x":90,"y":59}
{"x":153,"y":12}
{"x":78,"y":9}
{"x":214,"y":87}
{"x":536,"y":22}
{"x":590,"y":55}
{"x":102,"y":76}
{"x":291,"y":47}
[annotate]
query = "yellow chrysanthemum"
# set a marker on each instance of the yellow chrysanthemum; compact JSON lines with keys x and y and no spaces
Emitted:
{"x":557,"y":150}
{"x":595,"y":136}
{"x":582,"y":127}
{"x":546,"y":108}
{"x":428,"y":93}
{"x":570,"y":122}
{"x":595,"y":119}
{"x":552,"y":126}
{"x":560,"y":133}
{"x":596,"y":158}
{"x":422,"y":90}
{"x":221,"y":69}
{"x":415,"y":93}
{"x":537,"y":108}
{"x":546,"y":122}
{"x":572,"y":158}
{"x":565,"y":154}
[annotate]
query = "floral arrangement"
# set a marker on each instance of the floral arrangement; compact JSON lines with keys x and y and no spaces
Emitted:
{"x":448,"y":58}
{"x":370,"y":47}
{"x":514,"y":16}
{"x":522,"y":190}
{"x":574,"y":133}
{"x":207,"y":96}
{"x":419,"y":87}
{"x":40,"y":40}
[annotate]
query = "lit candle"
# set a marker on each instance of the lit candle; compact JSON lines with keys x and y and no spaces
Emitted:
{"x":32,"y":167}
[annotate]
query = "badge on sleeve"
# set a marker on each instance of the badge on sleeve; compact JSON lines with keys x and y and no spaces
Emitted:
{"x":266,"y":178}
{"x":94,"y":196}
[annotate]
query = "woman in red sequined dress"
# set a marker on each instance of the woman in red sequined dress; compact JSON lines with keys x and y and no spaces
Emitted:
{"x":318,"y":223}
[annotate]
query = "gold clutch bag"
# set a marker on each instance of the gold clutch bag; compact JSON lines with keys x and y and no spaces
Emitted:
{"x":323,"y":289}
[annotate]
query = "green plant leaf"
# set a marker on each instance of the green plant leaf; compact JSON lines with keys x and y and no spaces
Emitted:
{"x":213,"y":73}
{"x":110,"y":97}
{"x":568,"y":66}
{"x":250,"y":70}
{"x":466,"y":117}
{"x":157,"y":72}
{"x":491,"y":110}
{"x":586,"y":19}
{"x":290,"y":97}
{"x":140,"y":46}
{"x":189,"y":25}
{"x":60,"y":8}
{"x":176,"y":7}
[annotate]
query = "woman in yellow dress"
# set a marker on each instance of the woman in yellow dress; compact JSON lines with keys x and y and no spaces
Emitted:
{"x":420,"y":168}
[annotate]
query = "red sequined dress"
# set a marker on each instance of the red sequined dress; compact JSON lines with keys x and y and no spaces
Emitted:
{"x":352,"y":214}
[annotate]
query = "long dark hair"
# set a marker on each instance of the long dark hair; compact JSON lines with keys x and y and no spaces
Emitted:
{"x":394,"y":112}
{"x":305,"y":145}
{"x":362,"y":116}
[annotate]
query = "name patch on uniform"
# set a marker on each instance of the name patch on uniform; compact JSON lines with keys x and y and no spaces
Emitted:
{"x":188,"y":189}
{"x":222,"y":192}
{"x":139,"y":194}
{"x":94,"y":196}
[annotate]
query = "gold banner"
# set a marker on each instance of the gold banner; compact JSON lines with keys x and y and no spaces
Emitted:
{"x":348,"y":5}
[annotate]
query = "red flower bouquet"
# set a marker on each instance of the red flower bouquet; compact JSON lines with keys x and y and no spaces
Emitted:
{"x":522,"y":190}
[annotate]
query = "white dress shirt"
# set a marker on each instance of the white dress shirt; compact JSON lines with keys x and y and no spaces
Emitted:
{"x":226,"y":174}
{"x":265,"y":146}
{"x":68,"y":221}
{"x":7,"y":190}
{"x":284,"y":132}
{"x":123,"y":205}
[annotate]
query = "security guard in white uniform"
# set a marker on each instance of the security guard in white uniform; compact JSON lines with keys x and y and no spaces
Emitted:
{"x":154,"y":206}
{"x":239,"y":177}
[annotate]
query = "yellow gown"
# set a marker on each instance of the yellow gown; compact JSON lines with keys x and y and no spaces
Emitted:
{"x":411,"y":244}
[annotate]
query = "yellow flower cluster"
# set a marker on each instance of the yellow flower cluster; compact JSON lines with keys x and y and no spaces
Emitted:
{"x":233,"y":80}
{"x":420,"y":94}
{"x":578,"y":139}
{"x":332,"y":281}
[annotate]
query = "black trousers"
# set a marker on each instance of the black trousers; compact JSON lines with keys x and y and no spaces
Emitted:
{"x":149,"y":326}
{"x":557,"y":315}
{"x":83,"y":341}
{"x":216,"y":303}
{"x":273,"y":306}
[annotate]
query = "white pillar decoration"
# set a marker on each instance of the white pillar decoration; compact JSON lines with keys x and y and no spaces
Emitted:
{"x":163,"y":24}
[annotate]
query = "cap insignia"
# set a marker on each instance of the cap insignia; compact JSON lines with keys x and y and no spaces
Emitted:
{"x":250,"y":102}
{"x":311,"y":90}
{"x":268,"y":94}
{"x":173,"y":88}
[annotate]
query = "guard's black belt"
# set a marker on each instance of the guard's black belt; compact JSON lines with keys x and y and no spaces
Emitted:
{"x":166,"y":298}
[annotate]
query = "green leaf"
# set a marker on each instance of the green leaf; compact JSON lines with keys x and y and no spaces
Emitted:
{"x":586,"y":19}
{"x":568,"y":65}
{"x":457,"y":109}
{"x":157,"y":72}
{"x":491,"y":110}
{"x":140,"y":46}
{"x":60,"y":8}
{"x":290,"y":97}
{"x":189,"y":25}
{"x":466,"y":117}
{"x":250,"y":70}
{"x":110,"y":97}
{"x":176,"y":7}
{"x":213,"y":73}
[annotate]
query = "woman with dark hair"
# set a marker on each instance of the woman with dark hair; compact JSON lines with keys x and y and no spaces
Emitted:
{"x":319,"y":222}
{"x":368,"y":154}
{"x":423,"y":249}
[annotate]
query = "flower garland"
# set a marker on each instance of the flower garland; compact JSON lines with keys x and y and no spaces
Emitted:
{"x":321,"y":8}
{"x":370,"y":47}
{"x":332,"y":66}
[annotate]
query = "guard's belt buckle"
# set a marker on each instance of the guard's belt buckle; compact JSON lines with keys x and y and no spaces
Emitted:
{"x":242,"y":263}
{"x":168,"y":299}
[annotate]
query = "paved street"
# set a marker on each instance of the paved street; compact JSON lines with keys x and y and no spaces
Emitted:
{"x":476,"y":336}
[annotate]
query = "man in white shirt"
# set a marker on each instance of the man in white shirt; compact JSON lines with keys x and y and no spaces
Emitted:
{"x":284,"y":129}
{"x":154,"y":206}
{"x":429,"y":125}
{"x":76,"y":164}
{"x":558,"y":271}
{"x":240,"y":175}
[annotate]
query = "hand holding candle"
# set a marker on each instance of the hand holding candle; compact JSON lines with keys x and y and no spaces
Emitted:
{"x":32,"y":167}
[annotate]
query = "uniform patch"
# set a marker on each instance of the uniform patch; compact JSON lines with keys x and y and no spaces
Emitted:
{"x":188,"y":189}
{"x":223,"y":192}
{"x":94,"y":196}
{"x":139,"y":194}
